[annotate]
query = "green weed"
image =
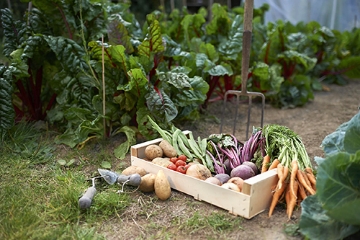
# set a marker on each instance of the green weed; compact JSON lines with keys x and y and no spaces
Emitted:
{"x":216,"y":221}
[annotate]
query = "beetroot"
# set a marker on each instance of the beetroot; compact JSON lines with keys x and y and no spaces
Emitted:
{"x":223,"y":177}
{"x":252,"y":165}
{"x":242,"y":171}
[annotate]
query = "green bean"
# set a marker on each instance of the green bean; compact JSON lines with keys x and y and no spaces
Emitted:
{"x":184,"y":148}
{"x":175,"y":141}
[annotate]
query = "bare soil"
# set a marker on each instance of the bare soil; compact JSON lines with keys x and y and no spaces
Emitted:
{"x":314,"y":121}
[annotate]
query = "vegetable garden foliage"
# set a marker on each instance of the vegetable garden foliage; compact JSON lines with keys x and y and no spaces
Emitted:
{"x":166,"y":68}
{"x":333,"y":212}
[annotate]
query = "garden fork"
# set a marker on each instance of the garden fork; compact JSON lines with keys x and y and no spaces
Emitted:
{"x":246,"y":49}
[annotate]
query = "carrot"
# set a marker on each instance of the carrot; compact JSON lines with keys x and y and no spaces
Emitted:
{"x":286,"y":172}
{"x":309,"y":170}
{"x":276,"y":196}
{"x":274,"y":164}
{"x":293,"y":198}
{"x":303,"y":182}
{"x":310,"y":176}
{"x":294,"y":170}
{"x":265,"y":163}
{"x":280,"y":173}
{"x":306,"y":178}
{"x":287,"y":198}
{"x":302,"y":192}
{"x":312,"y":180}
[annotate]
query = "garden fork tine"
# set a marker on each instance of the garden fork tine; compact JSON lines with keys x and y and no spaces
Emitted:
{"x":246,"y":49}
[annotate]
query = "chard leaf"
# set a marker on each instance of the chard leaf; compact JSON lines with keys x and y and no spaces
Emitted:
{"x":338,"y":187}
{"x":178,"y":80}
{"x":210,"y":51}
{"x":261,"y":73}
{"x":350,"y":66}
{"x":14,"y":32}
{"x":275,"y":43}
{"x":232,"y":45}
{"x":89,"y":129}
{"x":118,"y":35}
{"x":295,"y":93}
{"x":315,"y":223}
{"x":121,"y":151}
{"x":219,"y":70}
{"x":172,"y":48}
{"x":219,"y":23}
{"x":7,"y":113}
{"x":203,"y":61}
{"x":142,"y":119}
{"x":191,"y":24}
{"x":114,"y":55}
{"x":69,"y":53}
{"x":127,"y":101}
{"x":160,"y":104}
{"x":153,"y":42}
{"x":195,"y":95}
{"x":275,"y":79}
{"x":292,"y":56}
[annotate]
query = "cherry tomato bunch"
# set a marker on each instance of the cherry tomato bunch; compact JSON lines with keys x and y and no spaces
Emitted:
{"x":178,"y":164}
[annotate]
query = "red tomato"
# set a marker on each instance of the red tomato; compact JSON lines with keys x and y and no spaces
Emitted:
{"x":182,"y":157}
{"x":180,"y":163}
{"x":173,"y":160}
{"x":181,"y":169}
{"x":172,"y":166}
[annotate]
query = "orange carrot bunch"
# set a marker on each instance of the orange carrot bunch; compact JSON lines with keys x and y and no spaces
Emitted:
{"x":286,"y":152}
{"x":293,"y":186}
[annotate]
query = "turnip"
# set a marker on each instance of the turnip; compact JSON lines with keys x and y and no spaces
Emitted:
{"x":242,"y":171}
{"x":231,"y":186}
{"x":213,"y":180}
{"x":198,"y":171}
{"x":238,"y":181}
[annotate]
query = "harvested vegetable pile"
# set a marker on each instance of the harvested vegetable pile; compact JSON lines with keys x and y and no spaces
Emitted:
{"x":270,"y":147}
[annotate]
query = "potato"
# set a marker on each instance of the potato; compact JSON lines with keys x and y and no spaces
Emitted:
{"x":164,"y":162}
{"x":147,"y":183}
{"x":168,"y":149}
{"x":162,"y":186}
{"x":134,"y":169}
{"x":153,"y":151}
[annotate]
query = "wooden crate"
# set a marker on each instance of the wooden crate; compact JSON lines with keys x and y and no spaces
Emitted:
{"x":254,"y":198}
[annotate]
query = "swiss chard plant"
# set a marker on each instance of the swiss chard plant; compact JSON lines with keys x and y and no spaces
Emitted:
{"x":333,"y":212}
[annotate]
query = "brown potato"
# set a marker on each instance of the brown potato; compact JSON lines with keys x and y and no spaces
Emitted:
{"x":164,"y":162}
{"x":147,"y":183}
{"x":153,"y":151}
{"x":162,"y":186}
{"x":168,"y":149}
{"x":134,"y":169}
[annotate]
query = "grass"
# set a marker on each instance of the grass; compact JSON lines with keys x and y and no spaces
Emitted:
{"x":39,"y":196}
{"x":215,"y":222}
